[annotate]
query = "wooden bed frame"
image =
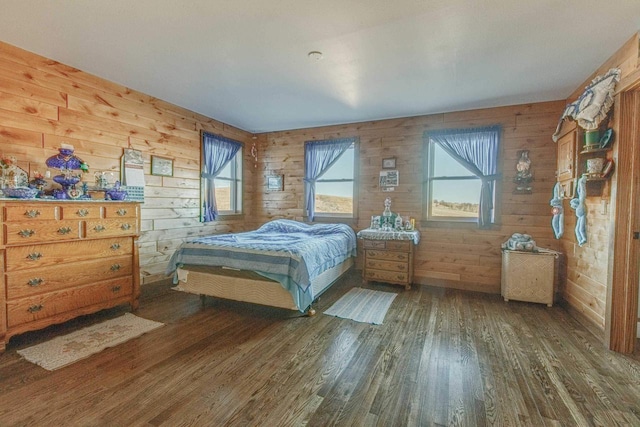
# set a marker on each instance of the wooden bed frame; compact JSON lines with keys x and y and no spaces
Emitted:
{"x":248,"y":286}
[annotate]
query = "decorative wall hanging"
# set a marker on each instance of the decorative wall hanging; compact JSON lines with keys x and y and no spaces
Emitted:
{"x":578,"y":204}
{"x":161,"y":166}
{"x":275,"y":183}
{"x":593,"y":105}
{"x":523,"y":176}
{"x":254,"y":151}
{"x":557,"y":210}
{"x":388,"y":179}
{"x":132,"y":168}
{"x":389,"y":163}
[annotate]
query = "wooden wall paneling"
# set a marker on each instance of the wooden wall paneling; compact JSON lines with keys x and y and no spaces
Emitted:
{"x":622,"y":307}
{"x":445,"y":256}
{"x":590,"y":269}
{"x":44,"y":103}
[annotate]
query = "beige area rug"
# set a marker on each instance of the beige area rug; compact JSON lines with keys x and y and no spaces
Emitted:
{"x":78,"y":345}
{"x":362,"y":305}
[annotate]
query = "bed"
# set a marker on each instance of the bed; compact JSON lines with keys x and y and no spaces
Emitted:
{"x":285,"y":264}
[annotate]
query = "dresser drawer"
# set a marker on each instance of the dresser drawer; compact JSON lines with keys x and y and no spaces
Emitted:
{"x":43,"y":255}
{"x":111,"y":227}
{"x":375,"y":244}
{"x":390,"y":245}
{"x":41,"y":306}
{"x":29,"y":213}
{"x":120,"y":211}
{"x":74,"y":211}
{"x":35,"y":281}
{"x":387,"y":265}
{"x":21,"y":233}
{"x":387,"y":276}
{"x":387,"y":255}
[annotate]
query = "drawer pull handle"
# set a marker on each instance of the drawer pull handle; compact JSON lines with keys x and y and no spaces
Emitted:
{"x":26,"y":233}
{"x":35,"y":308}
{"x":99,"y":228}
{"x":125,"y":226}
{"x":36,"y":281}
{"x":34,"y":256}
{"x":116,"y":289}
{"x":121,"y":212}
{"x":32,"y":213}
{"x":64,"y":230}
{"x":115,"y":267}
{"x":82,"y":212}
{"x":115,"y":246}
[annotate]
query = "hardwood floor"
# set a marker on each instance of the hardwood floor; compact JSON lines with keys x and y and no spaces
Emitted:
{"x":441,"y":358}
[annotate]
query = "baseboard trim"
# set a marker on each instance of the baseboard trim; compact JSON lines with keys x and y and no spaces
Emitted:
{"x":583,"y":320}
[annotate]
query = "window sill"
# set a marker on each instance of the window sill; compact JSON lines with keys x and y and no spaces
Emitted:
{"x":333,"y":219}
{"x":468,"y":225}
{"x":223,"y":216}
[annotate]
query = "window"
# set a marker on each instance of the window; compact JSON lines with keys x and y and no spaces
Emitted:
{"x":460,"y":175}
{"x":330,"y":184}
{"x":228,"y":186}
{"x":221,"y":182}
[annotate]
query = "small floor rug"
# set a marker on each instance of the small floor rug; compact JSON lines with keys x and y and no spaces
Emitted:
{"x":362,"y":305}
{"x":67,"y":349}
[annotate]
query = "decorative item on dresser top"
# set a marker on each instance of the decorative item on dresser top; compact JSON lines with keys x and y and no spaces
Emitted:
{"x":63,"y":259}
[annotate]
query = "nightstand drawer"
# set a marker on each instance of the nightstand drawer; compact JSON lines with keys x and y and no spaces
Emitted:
{"x":387,"y":276}
{"x":387,"y":255}
{"x":390,"y":245}
{"x":387,"y":265}
{"x":375,"y":244}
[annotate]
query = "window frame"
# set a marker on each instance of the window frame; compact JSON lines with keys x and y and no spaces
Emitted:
{"x":455,"y":222}
{"x":236,"y":184}
{"x":237,"y":159}
{"x":340,"y":217}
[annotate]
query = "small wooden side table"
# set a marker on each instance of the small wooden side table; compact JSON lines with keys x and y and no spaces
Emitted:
{"x":388,"y":256}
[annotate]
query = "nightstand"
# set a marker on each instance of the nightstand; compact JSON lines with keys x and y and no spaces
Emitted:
{"x":388,"y":256}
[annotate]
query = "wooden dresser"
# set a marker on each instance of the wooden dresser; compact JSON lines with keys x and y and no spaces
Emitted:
{"x":63,"y":259}
{"x":389,"y":261}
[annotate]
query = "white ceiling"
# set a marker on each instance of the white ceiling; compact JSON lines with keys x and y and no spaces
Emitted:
{"x":245,"y":62}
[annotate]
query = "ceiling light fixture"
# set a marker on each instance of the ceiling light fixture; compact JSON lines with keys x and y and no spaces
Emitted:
{"x":315,"y":54}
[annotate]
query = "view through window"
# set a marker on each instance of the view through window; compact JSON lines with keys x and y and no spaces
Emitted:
{"x":228,"y":186}
{"x":453,"y":193}
{"x":335,"y":188}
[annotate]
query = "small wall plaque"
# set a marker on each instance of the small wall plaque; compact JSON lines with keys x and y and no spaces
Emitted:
{"x":389,"y":163}
{"x":161,"y":166}
{"x":275,"y":183}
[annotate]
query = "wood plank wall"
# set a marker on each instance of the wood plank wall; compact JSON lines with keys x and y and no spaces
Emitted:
{"x":587,"y":267}
{"x":44,"y":103}
{"x":453,"y":257}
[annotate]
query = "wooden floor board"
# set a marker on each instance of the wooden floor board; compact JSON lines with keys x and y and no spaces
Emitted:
{"x":442,"y":357}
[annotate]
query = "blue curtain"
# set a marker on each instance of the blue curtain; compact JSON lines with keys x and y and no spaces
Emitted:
{"x":477,"y":150}
{"x":217,"y":151}
{"x":318,"y":158}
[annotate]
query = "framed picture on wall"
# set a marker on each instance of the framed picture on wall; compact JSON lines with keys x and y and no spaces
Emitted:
{"x":389,"y":163}
{"x":161,"y":166}
{"x":275,"y":183}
